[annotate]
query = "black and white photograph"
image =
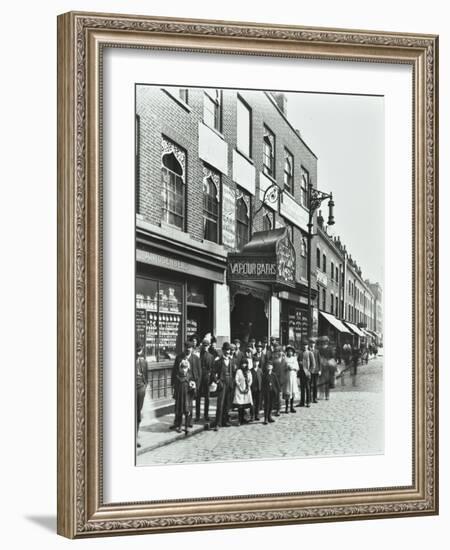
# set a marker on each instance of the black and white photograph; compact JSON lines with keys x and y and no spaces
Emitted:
{"x":259,"y":274}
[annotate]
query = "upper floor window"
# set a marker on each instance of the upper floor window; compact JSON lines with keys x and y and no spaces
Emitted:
{"x":288,"y":172}
{"x":324,"y":263}
{"x":331,"y":303}
{"x":173,"y":190}
{"x":183,"y":93}
{"x":242,"y":220}
{"x":244,"y":128}
{"x":318,"y":258}
{"x":304,"y":190}
{"x":211,"y":108}
{"x":332,"y":270}
{"x":303,"y":254}
{"x":290,"y":231}
{"x":211,"y":198}
{"x":267,"y":220}
{"x":268,"y":153}
{"x":337,"y":274}
{"x":324,"y":299}
{"x":336,"y":306}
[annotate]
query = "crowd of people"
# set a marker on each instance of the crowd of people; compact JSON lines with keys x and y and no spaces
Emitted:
{"x":258,"y":379}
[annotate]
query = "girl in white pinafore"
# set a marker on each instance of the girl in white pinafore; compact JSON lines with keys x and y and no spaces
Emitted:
{"x":290,"y":384}
{"x":242,"y":394}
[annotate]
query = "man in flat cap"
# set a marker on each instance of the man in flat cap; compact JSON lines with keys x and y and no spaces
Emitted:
{"x":195,"y":375}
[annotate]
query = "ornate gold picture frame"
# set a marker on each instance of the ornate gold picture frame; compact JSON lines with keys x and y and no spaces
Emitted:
{"x":82,"y":41}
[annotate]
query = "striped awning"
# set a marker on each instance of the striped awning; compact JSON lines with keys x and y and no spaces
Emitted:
{"x":337,"y":324}
{"x":355,"y":329}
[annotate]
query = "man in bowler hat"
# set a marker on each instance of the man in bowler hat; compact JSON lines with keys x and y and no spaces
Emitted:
{"x":224,"y":377}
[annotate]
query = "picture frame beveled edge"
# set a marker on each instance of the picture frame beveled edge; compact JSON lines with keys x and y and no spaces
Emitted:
{"x":80,"y":512}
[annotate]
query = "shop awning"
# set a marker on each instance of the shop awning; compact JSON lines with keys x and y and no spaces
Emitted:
{"x":367,"y":333}
{"x":268,"y":258}
{"x":355,"y":329}
{"x":337,"y":324}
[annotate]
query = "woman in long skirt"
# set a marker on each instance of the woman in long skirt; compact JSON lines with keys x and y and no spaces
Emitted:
{"x":290,"y":384}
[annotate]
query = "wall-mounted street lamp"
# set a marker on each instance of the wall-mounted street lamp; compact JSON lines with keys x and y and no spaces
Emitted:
{"x":315,"y":199}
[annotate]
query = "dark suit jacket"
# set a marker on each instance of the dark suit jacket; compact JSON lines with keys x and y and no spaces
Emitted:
{"x":222,"y":372}
{"x":237,"y":358}
{"x":257,"y":377}
{"x":262,"y":360}
{"x":270,"y":384}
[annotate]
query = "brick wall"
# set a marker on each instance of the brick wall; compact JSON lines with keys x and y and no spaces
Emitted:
{"x":161,"y":114}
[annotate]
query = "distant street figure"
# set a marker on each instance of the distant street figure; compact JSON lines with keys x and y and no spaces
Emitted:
{"x":328,"y":365}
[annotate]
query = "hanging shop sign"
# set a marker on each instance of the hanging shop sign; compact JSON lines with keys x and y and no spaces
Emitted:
{"x":269,"y":257}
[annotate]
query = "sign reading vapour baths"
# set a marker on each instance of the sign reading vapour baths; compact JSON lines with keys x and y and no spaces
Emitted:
{"x":276,"y":268}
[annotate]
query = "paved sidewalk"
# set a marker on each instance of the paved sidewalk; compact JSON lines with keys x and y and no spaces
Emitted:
{"x":155,"y":431}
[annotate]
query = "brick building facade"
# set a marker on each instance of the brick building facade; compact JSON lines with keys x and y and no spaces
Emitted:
{"x":204,"y":159}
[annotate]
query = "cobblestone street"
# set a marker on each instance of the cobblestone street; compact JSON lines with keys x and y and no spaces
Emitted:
{"x":350,"y":423}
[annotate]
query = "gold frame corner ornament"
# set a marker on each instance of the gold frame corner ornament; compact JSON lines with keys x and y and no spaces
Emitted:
{"x":81,"y":36}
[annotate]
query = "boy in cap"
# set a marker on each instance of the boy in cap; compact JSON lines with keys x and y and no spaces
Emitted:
{"x":195,"y":375}
{"x":270,"y":391}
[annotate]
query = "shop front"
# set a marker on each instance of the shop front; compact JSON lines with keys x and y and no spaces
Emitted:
{"x":293,"y":319}
{"x":264,"y":267}
{"x":334,"y":328}
{"x":358,"y":336}
{"x":174,"y":301}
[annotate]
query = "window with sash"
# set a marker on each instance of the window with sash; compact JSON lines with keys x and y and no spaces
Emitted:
{"x":288,"y":172}
{"x":244,"y":128}
{"x":268,"y":153}
{"x":173,"y":191}
{"x":268,"y":220}
{"x":242,"y":220}
{"x":211,"y":200}
{"x":211,"y":109}
{"x":304,"y":182}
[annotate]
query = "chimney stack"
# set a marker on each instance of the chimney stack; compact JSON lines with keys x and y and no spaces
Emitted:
{"x":281,"y":101}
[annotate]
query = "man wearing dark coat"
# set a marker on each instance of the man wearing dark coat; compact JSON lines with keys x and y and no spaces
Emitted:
{"x":271,"y":392}
{"x":260,"y":356}
{"x":224,"y":377}
{"x":256,"y":387}
{"x":236,"y":354}
{"x":195,"y":373}
{"x":207,"y":366}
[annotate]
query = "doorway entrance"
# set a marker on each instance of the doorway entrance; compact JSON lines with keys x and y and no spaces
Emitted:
{"x":248,"y":318}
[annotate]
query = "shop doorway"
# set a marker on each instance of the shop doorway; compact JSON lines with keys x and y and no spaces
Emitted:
{"x":248,"y":318}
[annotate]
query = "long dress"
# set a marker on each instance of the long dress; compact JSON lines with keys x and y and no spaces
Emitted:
{"x":242,"y":390}
{"x":290,"y":384}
